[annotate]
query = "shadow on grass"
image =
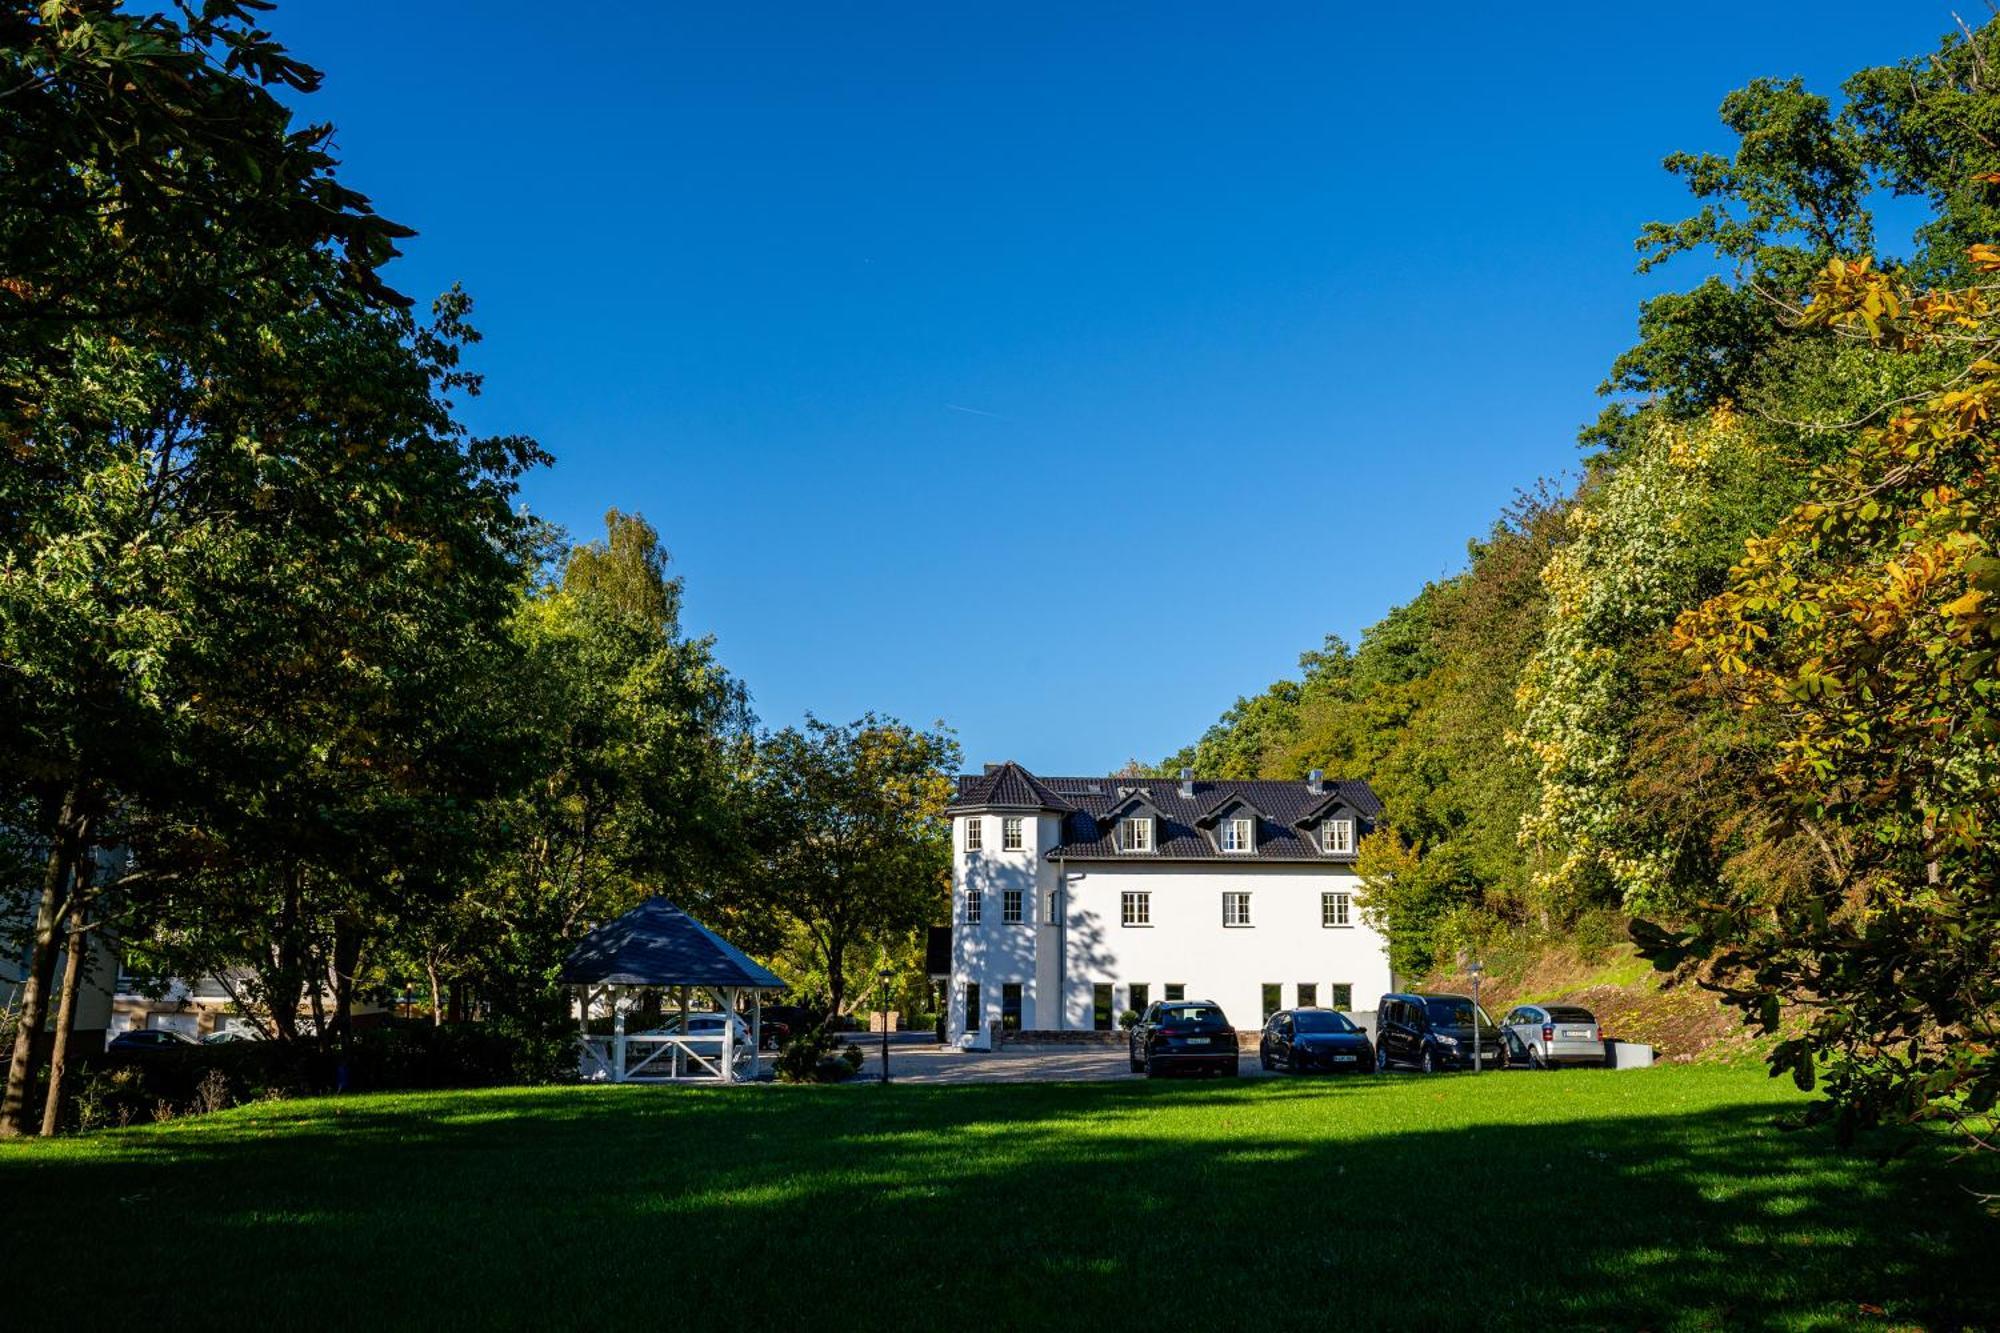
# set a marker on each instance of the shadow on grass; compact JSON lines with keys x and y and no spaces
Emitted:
{"x":1362,"y":1201}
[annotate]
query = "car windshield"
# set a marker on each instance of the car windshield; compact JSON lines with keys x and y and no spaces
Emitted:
{"x":1454,"y":1012}
{"x":1569,"y":1015}
{"x":1194,"y":1015}
{"x":1322,"y":1022}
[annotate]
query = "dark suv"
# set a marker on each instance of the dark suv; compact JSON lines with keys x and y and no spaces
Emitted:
{"x":1189,"y":1035}
{"x":1432,"y":1032}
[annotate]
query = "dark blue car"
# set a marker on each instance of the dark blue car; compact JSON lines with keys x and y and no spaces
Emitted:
{"x":1303,"y":1040}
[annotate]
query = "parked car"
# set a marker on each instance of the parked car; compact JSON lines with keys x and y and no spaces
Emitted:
{"x":1543,"y":1036}
{"x":1433,"y":1032}
{"x":223,"y":1036}
{"x":1299,"y":1040}
{"x":1186,"y":1034}
{"x":147,"y":1041}
{"x":704,"y":1030}
{"x":782,"y":1022}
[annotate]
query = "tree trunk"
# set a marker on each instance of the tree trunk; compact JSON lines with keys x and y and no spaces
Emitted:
{"x":65,"y":1019}
{"x":41,"y":968}
{"x":836,"y":972}
{"x":437,"y":996}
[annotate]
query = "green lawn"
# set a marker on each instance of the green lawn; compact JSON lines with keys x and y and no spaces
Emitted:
{"x":1658,"y":1199}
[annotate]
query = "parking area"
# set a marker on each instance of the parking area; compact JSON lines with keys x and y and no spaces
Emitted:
{"x":1013,"y":1064}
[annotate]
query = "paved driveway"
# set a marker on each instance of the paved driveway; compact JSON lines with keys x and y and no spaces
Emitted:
{"x":1013,"y":1064}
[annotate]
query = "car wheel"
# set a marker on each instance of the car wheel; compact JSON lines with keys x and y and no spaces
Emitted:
{"x":1138,"y":1065}
{"x":1430,"y":1061}
{"x":1535,"y":1060}
{"x":1381,"y":1059}
{"x":1263,"y":1059}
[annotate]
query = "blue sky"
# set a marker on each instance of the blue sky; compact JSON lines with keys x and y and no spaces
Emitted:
{"x":1059,"y":372}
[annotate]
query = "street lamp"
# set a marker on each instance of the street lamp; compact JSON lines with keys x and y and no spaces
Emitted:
{"x":1477,"y":1064}
{"x":886,"y":975}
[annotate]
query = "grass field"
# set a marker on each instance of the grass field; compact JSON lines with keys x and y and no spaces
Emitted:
{"x":1658,"y":1199}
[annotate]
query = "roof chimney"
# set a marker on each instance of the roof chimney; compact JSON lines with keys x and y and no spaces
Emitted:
{"x":991,"y":769}
{"x":1187,"y":782}
{"x":1316,"y":782}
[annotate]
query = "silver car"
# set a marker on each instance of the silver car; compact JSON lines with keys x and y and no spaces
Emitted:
{"x":1543,"y":1036}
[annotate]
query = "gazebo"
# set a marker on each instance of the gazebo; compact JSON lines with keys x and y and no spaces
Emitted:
{"x":657,"y":946}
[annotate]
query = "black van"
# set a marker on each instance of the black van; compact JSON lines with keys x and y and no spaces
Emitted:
{"x":1433,"y":1032}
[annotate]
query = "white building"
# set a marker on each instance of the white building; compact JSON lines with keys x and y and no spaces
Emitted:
{"x":1075,"y":899}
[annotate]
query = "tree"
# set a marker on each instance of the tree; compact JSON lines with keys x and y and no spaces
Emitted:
{"x":855,"y":848}
{"x":635,"y":743}
{"x":1864,"y":632}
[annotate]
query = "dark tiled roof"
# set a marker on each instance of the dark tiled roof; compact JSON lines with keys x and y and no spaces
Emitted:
{"x":1286,"y":829}
{"x":657,"y":944}
{"x":1007,"y":786}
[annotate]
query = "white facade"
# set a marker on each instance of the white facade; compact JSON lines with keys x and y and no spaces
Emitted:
{"x":1078,"y":931}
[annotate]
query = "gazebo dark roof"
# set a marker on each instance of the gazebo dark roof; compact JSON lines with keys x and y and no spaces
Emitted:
{"x":657,"y":944}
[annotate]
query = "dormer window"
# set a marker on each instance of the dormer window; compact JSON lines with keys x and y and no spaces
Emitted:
{"x":1238,"y":835}
{"x":1135,"y":835}
{"x":1337,"y":836}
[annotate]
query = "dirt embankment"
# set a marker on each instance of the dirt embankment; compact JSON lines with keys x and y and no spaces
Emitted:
{"x":1680,"y":1021}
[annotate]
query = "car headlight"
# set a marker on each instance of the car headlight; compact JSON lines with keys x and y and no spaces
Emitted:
{"x":1447,"y":1041}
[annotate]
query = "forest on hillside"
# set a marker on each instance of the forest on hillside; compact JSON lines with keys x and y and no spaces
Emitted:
{"x":1732,"y":692}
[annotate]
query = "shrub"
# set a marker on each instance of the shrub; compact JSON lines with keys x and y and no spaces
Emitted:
{"x":1129,"y":1019}
{"x":810,"y":1058}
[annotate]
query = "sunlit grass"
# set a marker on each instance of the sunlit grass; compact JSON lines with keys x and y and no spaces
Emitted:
{"x":1663,"y":1198}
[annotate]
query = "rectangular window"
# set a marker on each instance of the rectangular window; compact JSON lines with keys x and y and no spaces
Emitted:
{"x":975,"y":833}
{"x":1308,"y":995}
{"x":1334,"y":909}
{"x":1100,"y":1006}
{"x":1176,"y":991}
{"x":974,"y":1019}
{"x":1235,"y":909}
{"x":1010,"y":834}
{"x":1236,"y":835}
{"x":1010,"y":906}
{"x":1141,"y":996}
{"x":1274,"y":999}
{"x":972,"y":900}
{"x":1054,"y":906}
{"x":1342,"y":997}
{"x":1010,"y":1006}
{"x":1338,"y":836}
{"x":1135,"y":835}
{"x":1136,"y":908}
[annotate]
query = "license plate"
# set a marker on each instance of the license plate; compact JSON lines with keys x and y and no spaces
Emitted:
{"x":1343,"y":1059}
{"x":1580,"y":1036}
{"x":1197,"y":1041}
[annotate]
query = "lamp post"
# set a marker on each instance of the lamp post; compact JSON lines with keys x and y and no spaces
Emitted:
{"x":1477,"y":1064}
{"x":886,"y":975}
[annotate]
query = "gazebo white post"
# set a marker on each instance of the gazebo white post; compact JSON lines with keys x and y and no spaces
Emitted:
{"x":617,"y":1039}
{"x":680,"y":1058}
{"x":729,"y":1034}
{"x":756,"y":1033}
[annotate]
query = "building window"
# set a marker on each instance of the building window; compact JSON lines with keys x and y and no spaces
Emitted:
{"x":1308,"y":995}
{"x":1236,"y":835}
{"x":1141,"y":996}
{"x":1010,"y":906}
{"x":1010,"y":834}
{"x":1176,"y":991}
{"x":1136,"y":908}
{"x":1010,"y":1006}
{"x":1338,"y":836}
{"x":1100,"y":1006}
{"x":1334,"y":910}
{"x":1235,"y":909}
{"x":975,"y":833}
{"x":1135,"y":835}
{"x":1054,"y":905}
{"x":1274,"y":999}
{"x":972,"y":899}
{"x":1342,"y":997}
{"x":973,"y":1018}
